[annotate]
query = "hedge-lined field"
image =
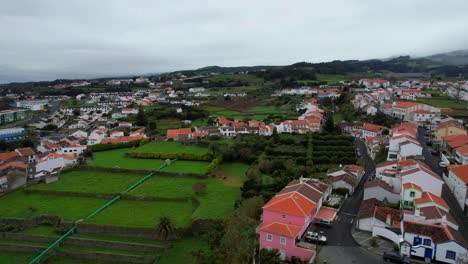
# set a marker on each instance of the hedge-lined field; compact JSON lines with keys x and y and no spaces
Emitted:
{"x":122,"y":213}
{"x":116,"y":159}
{"x":170,"y":147}
{"x":85,"y":181}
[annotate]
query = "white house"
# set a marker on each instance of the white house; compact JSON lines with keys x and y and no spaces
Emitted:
{"x":461,"y":155}
{"x":381,"y":191}
{"x":434,"y":242}
{"x":402,"y":146}
{"x":126,"y":111}
{"x":457,"y":182}
{"x":80,"y":134}
{"x":373,"y":215}
{"x":53,"y":161}
{"x":424,"y":177}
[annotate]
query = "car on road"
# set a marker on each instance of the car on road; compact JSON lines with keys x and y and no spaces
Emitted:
{"x":435,"y":152}
{"x":396,"y":258}
{"x":315,"y":237}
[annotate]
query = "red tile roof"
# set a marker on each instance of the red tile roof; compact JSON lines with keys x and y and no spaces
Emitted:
{"x":461,"y":171}
{"x":14,"y":164}
{"x":373,"y":128}
{"x":326,"y":213}
{"x":421,"y":111}
{"x":8,"y":155}
{"x":121,"y":139}
{"x":25,"y":152}
{"x":410,"y":185}
{"x":462,"y":150}
{"x":428,"y":197}
{"x":402,"y":104}
{"x":291,"y":204}
{"x":285,"y":230}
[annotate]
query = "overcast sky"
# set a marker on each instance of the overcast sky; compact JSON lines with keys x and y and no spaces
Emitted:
{"x":45,"y":39}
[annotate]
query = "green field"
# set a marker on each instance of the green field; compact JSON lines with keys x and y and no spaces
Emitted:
{"x":116,"y":159}
{"x":181,"y":252}
{"x":448,"y":105}
{"x":122,"y":213}
{"x":170,"y":147}
{"x":85,"y":181}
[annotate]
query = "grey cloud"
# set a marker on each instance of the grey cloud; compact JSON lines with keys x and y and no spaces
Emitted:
{"x":50,"y":39}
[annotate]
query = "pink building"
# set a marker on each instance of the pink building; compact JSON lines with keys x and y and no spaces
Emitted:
{"x":287,"y":216}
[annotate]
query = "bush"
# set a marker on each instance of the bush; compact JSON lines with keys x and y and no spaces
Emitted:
{"x":213,"y":165}
{"x":373,"y":242}
{"x":9,"y":228}
{"x":181,"y":156}
{"x":130,"y":144}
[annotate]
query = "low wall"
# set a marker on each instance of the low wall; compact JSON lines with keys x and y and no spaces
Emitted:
{"x":159,"y":173}
{"x":117,"y":258}
{"x":30,"y":222}
{"x":27,"y":237}
{"x":22,"y":248}
{"x":73,"y":241}
{"x":385,"y":233}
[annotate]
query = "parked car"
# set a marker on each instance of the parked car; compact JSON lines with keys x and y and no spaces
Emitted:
{"x":428,"y":143}
{"x":315,"y":237}
{"x":435,"y":152}
{"x":442,"y":164}
{"x":322,"y":222}
{"x":396,"y":258}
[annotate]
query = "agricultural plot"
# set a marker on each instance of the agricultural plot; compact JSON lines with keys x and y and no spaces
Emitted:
{"x":123,"y":213}
{"x":116,"y":159}
{"x":170,"y":147}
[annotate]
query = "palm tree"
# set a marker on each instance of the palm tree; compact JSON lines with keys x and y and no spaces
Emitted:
{"x":165,"y":227}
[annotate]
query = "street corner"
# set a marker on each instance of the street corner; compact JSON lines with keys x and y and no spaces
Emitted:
{"x":377,"y":245}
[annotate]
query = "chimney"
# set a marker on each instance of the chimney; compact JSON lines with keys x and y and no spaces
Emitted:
{"x":389,"y":219}
{"x":417,"y":212}
{"x":301,"y":179}
{"x":444,"y":220}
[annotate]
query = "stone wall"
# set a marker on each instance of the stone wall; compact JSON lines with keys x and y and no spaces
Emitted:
{"x":117,"y":258}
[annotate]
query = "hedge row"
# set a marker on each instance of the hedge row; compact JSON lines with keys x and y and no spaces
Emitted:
{"x":130,"y":144}
{"x":181,"y":156}
{"x":332,"y":143}
{"x":334,"y":148}
{"x":213,"y":164}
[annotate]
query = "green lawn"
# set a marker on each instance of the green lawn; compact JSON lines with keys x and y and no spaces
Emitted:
{"x":433,"y":92}
{"x":122,"y":213}
{"x":86,"y":181}
{"x":444,"y":102}
{"x":116,"y":158}
{"x":170,"y":147}
{"x":15,"y":258}
{"x":182,"y":250}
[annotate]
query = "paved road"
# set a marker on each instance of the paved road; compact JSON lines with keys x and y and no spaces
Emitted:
{"x":341,"y":247}
{"x":433,"y":162}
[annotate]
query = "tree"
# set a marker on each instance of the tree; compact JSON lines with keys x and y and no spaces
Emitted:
{"x":269,"y":256}
{"x":199,"y":188}
{"x":152,"y":125}
{"x":141,"y":119}
{"x":329,"y":124}
{"x":165,"y":227}
{"x":254,"y":174}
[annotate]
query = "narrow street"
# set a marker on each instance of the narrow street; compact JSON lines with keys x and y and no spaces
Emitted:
{"x":341,"y":247}
{"x":433,"y":162}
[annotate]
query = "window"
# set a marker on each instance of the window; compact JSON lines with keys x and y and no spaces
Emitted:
{"x":283,"y":216}
{"x":282,"y":240}
{"x":405,"y":203}
{"x":269,"y":237}
{"x":450,"y":254}
{"x":417,"y":241}
{"x":412,"y":194}
{"x":427,"y":242}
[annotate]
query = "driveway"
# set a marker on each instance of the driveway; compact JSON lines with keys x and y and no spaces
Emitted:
{"x":433,"y":162}
{"x":341,"y":247}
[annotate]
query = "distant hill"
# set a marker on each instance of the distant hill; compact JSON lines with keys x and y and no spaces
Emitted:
{"x":457,"y":58}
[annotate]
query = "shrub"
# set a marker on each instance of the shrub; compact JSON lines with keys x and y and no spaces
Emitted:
{"x":373,"y":242}
{"x":104,"y":147}
{"x":214,"y":163}
{"x":9,"y":228}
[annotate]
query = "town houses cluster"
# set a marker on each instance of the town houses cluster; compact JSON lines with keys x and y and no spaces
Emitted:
{"x":310,"y":121}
